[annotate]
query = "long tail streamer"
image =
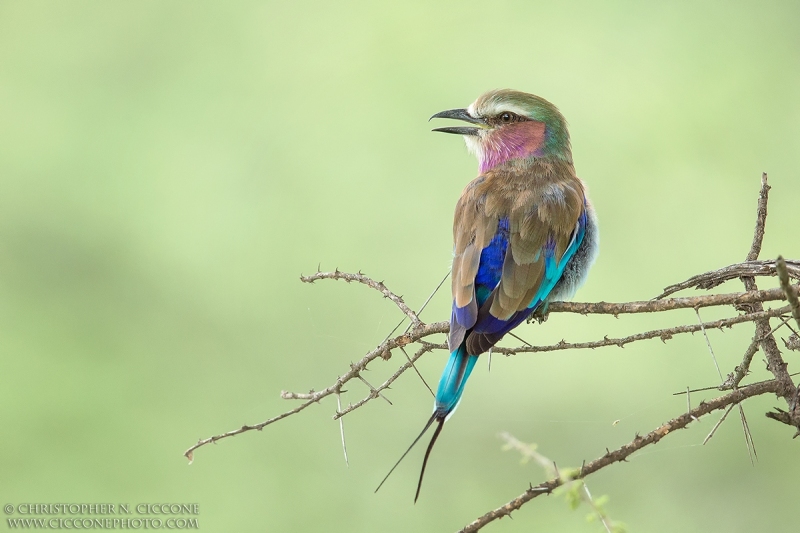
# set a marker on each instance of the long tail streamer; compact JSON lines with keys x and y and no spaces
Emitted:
{"x":428,"y":451}
{"x":431,"y":420}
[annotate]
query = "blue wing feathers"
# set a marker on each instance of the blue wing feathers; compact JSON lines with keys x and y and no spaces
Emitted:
{"x":465,"y":316}
{"x":490,"y":270}
{"x":491,"y":263}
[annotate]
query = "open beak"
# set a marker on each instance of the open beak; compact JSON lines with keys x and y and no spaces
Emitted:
{"x":459,"y":114}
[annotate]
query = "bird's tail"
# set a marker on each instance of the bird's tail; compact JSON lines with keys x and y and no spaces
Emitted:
{"x":448,"y":394}
{"x":451,"y":384}
{"x":436,"y":434}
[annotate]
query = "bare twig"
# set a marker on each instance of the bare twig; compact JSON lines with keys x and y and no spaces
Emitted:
{"x":709,"y":280}
{"x":383,"y":350}
{"x":663,"y":334}
{"x":713,"y":387}
{"x":761,"y":219}
{"x":769,"y":345}
{"x":377,"y":285}
{"x":372,"y":389}
{"x":427,"y":347}
{"x":744,"y":367}
{"x":421,"y":309}
{"x":655,"y":306}
{"x":775,"y":363}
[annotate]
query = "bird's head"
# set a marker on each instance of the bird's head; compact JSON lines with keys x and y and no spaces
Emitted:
{"x":511,"y":126}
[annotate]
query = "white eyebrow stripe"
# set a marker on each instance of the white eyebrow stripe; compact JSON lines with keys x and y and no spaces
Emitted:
{"x":492,"y":108}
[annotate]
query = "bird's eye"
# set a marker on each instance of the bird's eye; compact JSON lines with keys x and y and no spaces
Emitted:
{"x":507,"y":117}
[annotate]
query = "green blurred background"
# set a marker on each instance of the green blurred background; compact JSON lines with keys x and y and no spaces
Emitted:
{"x":169,"y":169}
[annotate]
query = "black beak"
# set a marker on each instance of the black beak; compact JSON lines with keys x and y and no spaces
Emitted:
{"x":459,"y":114}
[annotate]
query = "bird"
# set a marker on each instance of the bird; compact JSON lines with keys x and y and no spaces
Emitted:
{"x":524,"y":233}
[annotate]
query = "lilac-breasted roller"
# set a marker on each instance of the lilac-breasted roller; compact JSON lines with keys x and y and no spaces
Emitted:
{"x":525,"y":233}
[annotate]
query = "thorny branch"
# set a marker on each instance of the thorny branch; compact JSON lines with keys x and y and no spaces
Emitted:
{"x":709,"y":280}
{"x":751,"y":303}
{"x":624,"y":452}
{"x":769,"y":345}
{"x":361,"y":278}
{"x":663,"y":334}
